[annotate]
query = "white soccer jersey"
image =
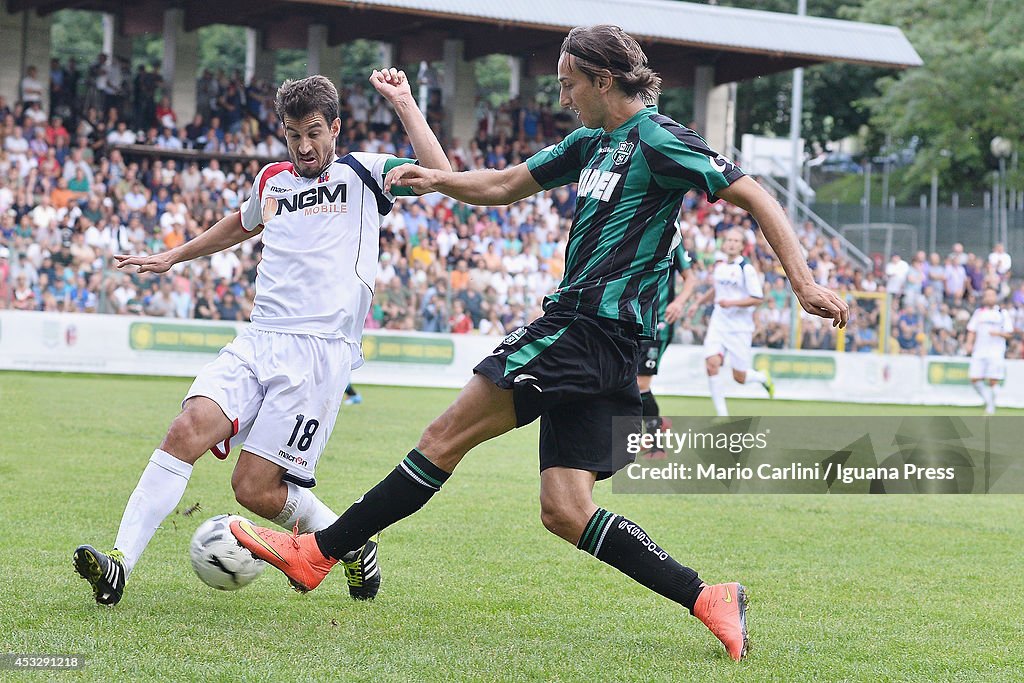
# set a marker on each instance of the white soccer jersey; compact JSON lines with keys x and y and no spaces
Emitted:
{"x":320,"y":246}
{"x":983,"y":321}
{"x":736,"y":279}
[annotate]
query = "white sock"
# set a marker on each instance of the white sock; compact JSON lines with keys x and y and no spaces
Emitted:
{"x":304,"y":509}
{"x":990,"y":398}
{"x":157,"y":494}
{"x":718,"y":394}
{"x":755,"y":376}
{"x":979,"y":386}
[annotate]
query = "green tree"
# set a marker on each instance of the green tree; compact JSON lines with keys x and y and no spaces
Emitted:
{"x":76,"y":33}
{"x":148,"y":49}
{"x":222,"y":47}
{"x":492,"y":78}
{"x":833,"y":92}
{"x":968,"y":91}
{"x":358,"y":59}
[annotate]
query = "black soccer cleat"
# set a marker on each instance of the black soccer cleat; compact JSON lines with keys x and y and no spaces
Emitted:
{"x":362,"y":572}
{"x":104,"y":572}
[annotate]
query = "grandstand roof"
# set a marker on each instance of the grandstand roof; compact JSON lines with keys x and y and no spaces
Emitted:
{"x":677,"y":36}
{"x":685,"y":23}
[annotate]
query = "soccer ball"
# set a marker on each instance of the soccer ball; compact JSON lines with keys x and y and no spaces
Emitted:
{"x":219,"y":561}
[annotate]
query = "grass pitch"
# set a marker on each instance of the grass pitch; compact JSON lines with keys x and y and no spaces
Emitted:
{"x":855,"y":588}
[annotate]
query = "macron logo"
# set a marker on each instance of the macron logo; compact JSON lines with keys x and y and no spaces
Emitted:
{"x":598,"y":184}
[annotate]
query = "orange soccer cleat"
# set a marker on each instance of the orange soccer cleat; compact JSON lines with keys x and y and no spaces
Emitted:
{"x":723,"y":609}
{"x":298,"y":556}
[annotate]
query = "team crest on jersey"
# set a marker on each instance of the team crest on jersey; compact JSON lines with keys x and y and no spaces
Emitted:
{"x":324,"y":177}
{"x":623,"y":153}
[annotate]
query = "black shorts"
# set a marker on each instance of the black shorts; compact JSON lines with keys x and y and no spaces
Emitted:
{"x":576,"y":373}
{"x":651,"y":351}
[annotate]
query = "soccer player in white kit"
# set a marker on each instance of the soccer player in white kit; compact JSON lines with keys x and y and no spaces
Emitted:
{"x":275,"y":390}
{"x":987,"y":331}
{"x":737,"y":291}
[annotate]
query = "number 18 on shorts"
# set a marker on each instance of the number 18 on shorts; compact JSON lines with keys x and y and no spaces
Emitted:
{"x":282,"y":393}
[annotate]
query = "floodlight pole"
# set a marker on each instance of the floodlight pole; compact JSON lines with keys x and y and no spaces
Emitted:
{"x":933,"y":222}
{"x":796,"y":115}
{"x":1002,"y":148}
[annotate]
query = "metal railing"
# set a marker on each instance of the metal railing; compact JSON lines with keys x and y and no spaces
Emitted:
{"x":852,"y":251}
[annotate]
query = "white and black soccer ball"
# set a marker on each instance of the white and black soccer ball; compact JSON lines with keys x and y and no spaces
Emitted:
{"x":219,"y":561}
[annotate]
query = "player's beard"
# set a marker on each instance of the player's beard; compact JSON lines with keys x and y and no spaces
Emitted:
{"x":327,"y":154}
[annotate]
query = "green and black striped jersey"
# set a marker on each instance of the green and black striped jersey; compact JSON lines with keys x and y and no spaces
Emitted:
{"x":631,"y":182}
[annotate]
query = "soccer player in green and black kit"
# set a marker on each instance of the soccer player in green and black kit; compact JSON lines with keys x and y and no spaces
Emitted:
{"x":671,"y":308}
{"x":575,"y":367}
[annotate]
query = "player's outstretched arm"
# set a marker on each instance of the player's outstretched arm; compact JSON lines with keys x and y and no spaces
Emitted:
{"x":742,"y":303}
{"x":706,"y":297}
{"x":393,"y":85}
{"x":821,"y":301}
{"x":485,"y":187}
{"x":225,"y":233}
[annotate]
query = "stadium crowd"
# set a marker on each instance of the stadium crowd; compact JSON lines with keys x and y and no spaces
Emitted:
{"x":107,"y":171}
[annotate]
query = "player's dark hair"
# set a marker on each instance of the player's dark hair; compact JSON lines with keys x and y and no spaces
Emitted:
{"x":314,"y":94}
{"x":607,"y":48}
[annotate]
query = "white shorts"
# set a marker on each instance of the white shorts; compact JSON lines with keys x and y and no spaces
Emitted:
{"x":734,"y":347}
{"x":987,"y":367}
{"x":282,"y":393}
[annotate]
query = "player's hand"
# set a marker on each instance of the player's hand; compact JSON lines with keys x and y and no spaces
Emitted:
{"x":824,"y":303}
{"x":392,"y":84}
{"x":674,"y":311}
{"x":421,"y":180}
{"x":154,"y":263}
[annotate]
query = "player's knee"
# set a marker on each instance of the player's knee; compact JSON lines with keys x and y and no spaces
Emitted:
{"x":249,"y":492}
{"x":436,"y":443}
{"x":244,"y":492}
{"x":563,"y":520}
{"x":184,"y":438}
{"x":554,"y":521}
{"x":433,"y":436}
{"x":740,"y":376}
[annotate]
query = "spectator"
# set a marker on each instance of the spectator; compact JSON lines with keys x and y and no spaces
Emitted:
{"x":434,"y":314}
{"x":896,"y":276}
{"x":229,"y":308}
{"x":909,"y":331}
{"x":956,"y":280}
{"x":181,"y":299}
{"x":460,"y":322}
{"x":161,"y":302}
{"x":31,"y":88}
{"x":271,"y":148}
{"x":168,"y":140}
{"x":491,"y":325}
{"x":68,"y":207}
{"x":1000,"y":260}
{"x":206,"y":305}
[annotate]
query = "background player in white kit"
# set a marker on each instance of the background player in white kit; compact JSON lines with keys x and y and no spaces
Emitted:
{"x":987,"y":331}
{"x":737,"y":291}
{"x":276,"y":389}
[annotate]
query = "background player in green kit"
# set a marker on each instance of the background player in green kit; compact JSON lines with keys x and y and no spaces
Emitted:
{"x":651,"y":350}
{"x":575,"y":366}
